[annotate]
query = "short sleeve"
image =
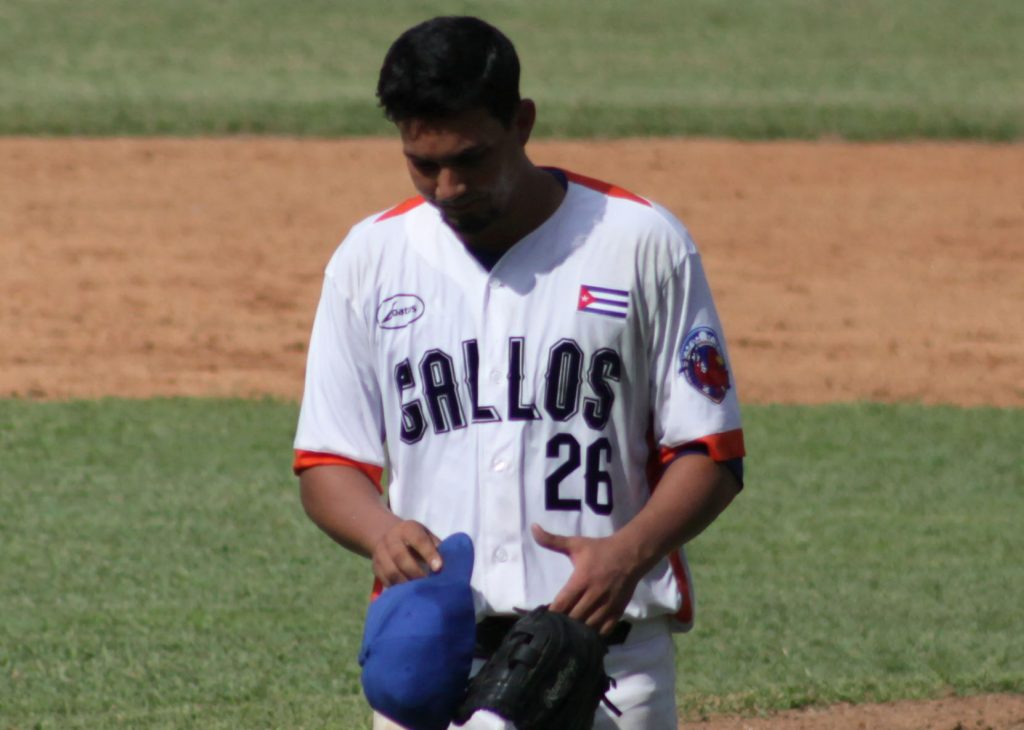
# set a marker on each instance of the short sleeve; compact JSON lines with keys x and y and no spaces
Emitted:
{"x":693,"y":390}
{"x":341,"y":409}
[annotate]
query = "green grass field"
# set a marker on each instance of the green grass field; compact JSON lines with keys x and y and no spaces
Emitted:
{"x":158,"y":571}
{"x":760,"y":68}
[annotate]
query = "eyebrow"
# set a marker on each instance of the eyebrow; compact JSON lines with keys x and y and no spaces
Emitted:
{"x":465,"y":155}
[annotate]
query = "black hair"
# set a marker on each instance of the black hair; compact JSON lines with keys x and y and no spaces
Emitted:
{"x":449,"y":65}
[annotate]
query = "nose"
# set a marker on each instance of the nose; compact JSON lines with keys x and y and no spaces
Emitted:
{"x":450,"y":185}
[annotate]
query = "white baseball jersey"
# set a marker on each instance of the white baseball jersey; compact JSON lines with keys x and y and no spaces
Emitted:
{"x":543,"y":390}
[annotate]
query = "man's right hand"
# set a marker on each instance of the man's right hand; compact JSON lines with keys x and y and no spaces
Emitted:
{"x":406,"y":552}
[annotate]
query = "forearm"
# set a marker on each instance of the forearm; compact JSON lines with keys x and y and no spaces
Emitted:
{"x":691,"y":493}
{"x":346,"y":505}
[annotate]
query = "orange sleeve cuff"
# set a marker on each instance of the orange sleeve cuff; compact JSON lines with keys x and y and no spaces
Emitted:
{"x":378,"y":588}
{"x":720,"y":446}
{"x":306,"y":459}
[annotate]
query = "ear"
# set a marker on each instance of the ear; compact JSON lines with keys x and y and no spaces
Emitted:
{"x":524,"y":119}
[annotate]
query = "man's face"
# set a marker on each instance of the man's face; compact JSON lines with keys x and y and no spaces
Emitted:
{"x":467,"y":166}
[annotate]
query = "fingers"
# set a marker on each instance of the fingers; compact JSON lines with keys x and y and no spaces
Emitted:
{"x":567,"y":599}
{"x":594,"y":608}
{"x":424,"y":543}
{"x":406,"y":552}
{"x":600,"y":614}
{"x":578,"y":599}
{"x":558,"y":543}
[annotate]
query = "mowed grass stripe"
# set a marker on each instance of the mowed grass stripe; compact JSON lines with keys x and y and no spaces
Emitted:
{"x":158,"y":571}
{"x":763,"y":68}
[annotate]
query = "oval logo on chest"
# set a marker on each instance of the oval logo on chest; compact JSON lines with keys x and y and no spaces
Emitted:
{"x":399,"y":311}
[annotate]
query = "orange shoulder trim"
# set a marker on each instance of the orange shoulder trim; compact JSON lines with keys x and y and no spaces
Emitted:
{"x":307,"y":459}
{"x":607,"y":188}
{"x":403,"y":207}
{"x":720,"y":446}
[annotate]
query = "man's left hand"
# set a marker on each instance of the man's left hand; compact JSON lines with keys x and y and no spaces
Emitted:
{"x":605,"y":574}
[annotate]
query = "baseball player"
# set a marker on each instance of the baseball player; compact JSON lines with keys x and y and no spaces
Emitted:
{"x":536,"y":359}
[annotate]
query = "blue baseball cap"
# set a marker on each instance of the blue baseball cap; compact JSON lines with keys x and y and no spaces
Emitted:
{"x":418,"y":642}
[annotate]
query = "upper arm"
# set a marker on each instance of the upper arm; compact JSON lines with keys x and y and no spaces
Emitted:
{"x":341,"y":409}
{"x":693,"y":392}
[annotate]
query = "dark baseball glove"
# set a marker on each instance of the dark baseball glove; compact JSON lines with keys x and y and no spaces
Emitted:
{"x":548,"y":673}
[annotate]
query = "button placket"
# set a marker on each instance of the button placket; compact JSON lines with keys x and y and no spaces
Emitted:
{"x":499,"y":485}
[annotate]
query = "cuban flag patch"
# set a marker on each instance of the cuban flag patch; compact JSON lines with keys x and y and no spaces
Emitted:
{"x":702,"y":363}
{"x":601,"y":300}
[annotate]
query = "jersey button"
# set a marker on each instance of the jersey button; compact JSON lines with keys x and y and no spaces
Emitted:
{"x":495,"y":377}
{"x":500,"y":465}
{"x":500,"y":555}
{"x":495,"y":284}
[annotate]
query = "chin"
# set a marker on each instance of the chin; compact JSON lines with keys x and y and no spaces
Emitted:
{"x":469,"y":224}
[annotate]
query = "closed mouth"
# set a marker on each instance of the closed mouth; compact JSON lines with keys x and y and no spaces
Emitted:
{"x":459,"y":207}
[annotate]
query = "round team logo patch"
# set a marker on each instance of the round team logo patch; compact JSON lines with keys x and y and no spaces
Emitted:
{"x":702,"y":363}
{"x":399,"y":311}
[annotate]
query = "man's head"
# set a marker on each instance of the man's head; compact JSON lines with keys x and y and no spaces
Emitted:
{"x":451,"y":85}
{"x":449,"y":65}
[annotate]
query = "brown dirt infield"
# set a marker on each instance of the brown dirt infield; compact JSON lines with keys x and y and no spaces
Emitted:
{"x":139,"y":267}
{"x":887,"y":272}
{"x":986,"y":712}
